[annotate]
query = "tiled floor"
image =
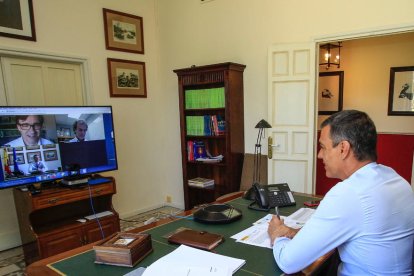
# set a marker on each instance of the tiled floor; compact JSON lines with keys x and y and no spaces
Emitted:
{"x":12,"y":261}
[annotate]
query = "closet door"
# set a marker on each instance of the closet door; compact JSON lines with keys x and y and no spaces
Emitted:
{"x":37,"y":82}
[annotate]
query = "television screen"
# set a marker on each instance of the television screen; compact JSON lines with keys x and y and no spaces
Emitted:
{"x":39,"y":144}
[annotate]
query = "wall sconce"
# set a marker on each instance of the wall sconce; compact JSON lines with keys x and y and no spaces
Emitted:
{"x":329,"y":54}
{"x":261,"y":125}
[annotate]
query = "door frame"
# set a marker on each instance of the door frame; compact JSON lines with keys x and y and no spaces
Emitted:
{"x":83,"y":62}
{"x":358,"y":34}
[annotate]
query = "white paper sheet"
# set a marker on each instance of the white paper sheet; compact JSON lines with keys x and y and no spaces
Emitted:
{"x":188,"y":261}
{"x":257,"y":234}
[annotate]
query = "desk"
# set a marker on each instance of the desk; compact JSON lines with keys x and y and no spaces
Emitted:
{"x":259,"y":261}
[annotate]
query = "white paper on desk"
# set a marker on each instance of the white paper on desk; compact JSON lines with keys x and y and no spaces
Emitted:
{"x":257,"y":234}
{"x":186,"y":259}
{"x":300,"y":217}
{"x":254,"y":235}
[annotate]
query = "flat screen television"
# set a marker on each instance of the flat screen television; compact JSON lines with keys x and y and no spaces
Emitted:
{"x":40,"y":144}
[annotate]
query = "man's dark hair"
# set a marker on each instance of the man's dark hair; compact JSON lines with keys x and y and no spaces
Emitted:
{"x":24,"y":117}
{"x":80,"y":122}
{"x":358,"y":129}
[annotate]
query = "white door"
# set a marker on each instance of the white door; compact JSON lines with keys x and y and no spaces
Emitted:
{"x":291,"y":112}
{"x":37,"y":82}
{"x":34,"y":82}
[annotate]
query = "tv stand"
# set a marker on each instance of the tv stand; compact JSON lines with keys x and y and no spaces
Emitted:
{"x":49,"y":224}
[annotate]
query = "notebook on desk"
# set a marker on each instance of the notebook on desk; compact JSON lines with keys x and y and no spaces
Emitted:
{"x":198,"y":239}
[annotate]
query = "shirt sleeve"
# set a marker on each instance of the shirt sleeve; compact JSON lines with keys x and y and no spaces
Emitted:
{"x":330,"y":226}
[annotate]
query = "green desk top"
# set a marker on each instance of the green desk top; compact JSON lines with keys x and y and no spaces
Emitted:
{"x":259,"y":261}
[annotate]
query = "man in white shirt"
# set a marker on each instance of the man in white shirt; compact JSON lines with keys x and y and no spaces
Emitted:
{"x":80,"y":127}
{"x":30,"y":127}
{"x":36,"y":166}
{"x":368,"y":216}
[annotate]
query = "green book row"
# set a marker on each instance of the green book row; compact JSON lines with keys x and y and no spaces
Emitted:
{"x":205,"y":98}
{"x":207,"y":125}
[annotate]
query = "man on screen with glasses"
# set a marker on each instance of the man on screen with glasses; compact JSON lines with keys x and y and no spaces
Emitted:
{"x":30,"y":127}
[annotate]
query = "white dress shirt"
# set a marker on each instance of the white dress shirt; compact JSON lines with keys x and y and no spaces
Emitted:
{"x":369,"y":217}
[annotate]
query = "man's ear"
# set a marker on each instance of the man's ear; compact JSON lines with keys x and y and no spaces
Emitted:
{"x":345,"y":149}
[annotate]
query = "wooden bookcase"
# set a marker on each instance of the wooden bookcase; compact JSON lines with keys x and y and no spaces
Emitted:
{"x":48,"y":221}
{"x":227,"y":173}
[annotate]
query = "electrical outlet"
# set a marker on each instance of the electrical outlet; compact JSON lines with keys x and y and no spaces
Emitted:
{"x":168,"y":199}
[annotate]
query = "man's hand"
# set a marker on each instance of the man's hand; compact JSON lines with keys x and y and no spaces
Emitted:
{"x":278,"y":229}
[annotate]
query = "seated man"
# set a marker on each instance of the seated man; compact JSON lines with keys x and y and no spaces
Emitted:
{"x":368,"y":216}
{"x":37,"y":166}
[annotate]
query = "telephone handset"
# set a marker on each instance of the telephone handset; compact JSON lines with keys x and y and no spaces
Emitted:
{"x":270,"y":196}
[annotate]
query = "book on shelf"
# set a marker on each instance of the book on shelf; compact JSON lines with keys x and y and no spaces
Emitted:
{"x":207,"y":125}
{"x":201,"y":182}
{"x":123,"y":249}
{"x":205,"y":98}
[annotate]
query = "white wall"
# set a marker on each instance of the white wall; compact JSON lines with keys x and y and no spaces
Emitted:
{"x":178,"y":34}
{"x":146,"y":160}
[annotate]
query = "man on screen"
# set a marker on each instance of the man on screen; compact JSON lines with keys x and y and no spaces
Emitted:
{"x":80,"y":127}
{"x":30,"y":127}
{"x":36,"y":166}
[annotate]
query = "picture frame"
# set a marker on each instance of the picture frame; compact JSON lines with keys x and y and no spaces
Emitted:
{"x":50,"y":155}
{"x":127,"y":78}
{"x":31,"y":154}
{"x":123,"y":32}
{"x":330,"y":94}
{"x":17,"y":19}
{"x":19,"y":158}
{"x":401,"y":91}
{"x":49,"y":146}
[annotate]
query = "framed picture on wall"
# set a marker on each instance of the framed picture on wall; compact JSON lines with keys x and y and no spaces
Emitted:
{"x":330,"y":94}
{"x":400,"y":99}
{"x":123,"y":32}
{"x":126,"y":78}
{"x":19,"y":158}
{"x":16,"y":19}
{"x":50,"y":155}
{"x":30,"y":155}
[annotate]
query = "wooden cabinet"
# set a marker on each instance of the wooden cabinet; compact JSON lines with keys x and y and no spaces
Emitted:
{"x":195,"y":84}
{"x":48,"y":221}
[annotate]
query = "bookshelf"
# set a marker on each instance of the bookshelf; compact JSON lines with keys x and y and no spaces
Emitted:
{"x":212,"y":123}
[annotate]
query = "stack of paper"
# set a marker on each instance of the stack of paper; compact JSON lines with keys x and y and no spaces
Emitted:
{"x":257,"y":234}
{"x":188,"y":261}
{"x":200,"y":182}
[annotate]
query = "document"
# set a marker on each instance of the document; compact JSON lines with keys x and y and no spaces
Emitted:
{"x":188,"y":261}
{"x":257,"y":234}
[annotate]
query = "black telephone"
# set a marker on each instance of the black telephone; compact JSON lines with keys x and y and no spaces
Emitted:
{"x":270,"y":196}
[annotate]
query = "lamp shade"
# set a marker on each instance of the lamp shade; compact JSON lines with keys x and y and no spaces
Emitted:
{"x":263,"y":124}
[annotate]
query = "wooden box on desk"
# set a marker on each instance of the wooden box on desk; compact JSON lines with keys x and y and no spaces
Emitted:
{"x":124,"y":249}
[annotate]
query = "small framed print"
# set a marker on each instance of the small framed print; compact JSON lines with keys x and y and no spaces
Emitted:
{"x":50,"y":155}
{"x":16,"y":19}
{"x":330,"y":94}
{"x":19,"y":158}
{"x":127,"y":78}
{"x":31,"y":154}
{"x":401,"y":99}
{"x":123,"y":32}
{"x":49,"y":146}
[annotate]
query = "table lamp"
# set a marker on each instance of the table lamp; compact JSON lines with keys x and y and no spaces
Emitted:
{"x":261,"y":125}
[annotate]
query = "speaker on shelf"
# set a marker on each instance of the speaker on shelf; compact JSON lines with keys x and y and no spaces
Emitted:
{"x":217,"y":214}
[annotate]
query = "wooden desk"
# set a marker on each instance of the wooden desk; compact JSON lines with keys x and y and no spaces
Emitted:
{"x":82,"y":257}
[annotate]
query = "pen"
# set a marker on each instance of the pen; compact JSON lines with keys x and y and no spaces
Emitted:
{"x":277,"y":212}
